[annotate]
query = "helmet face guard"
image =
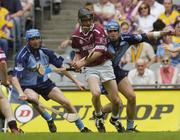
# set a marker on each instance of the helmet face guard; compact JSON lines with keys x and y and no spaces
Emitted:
{"x":32,"y":33}
{"x":85,"y":15}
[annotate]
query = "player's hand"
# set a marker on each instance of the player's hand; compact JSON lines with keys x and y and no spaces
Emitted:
{"x":169,"y":30}
{"x":64,"y":44}
{"x":165,"y":47}
{"x":80,"y":85}
{"x":40,"y":69}
{"x":78,"y":64}
{"x":23,"y":97}
{"x":6,"y":83}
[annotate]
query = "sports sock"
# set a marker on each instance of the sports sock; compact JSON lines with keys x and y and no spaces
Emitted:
{"x":79,"y":124}
{"x":46,"y":116}
{"x":99,"y":114}
{"x":130,"y":124}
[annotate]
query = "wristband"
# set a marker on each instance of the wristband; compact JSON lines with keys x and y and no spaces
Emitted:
{"x":48,"y":70}
{"x":156,"y":35}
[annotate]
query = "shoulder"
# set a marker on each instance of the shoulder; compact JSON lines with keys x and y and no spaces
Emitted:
{"x":76,"y":31}
{"x":47,"y":51}
{"x":98,"y":29}
{"x":149,"y":72}
{"x":23,"y":54}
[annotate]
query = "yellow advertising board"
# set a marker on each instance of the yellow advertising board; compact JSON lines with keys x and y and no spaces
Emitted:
{"x":157,"y":110}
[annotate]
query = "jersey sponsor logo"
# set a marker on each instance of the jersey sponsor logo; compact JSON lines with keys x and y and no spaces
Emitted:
{"x":19,"y":67}
{"x":100,"y":47}
{"x":88,"y":47}
{"x":24,"y":113}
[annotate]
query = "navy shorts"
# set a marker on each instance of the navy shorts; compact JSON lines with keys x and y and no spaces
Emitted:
{"x":120,"y":73}
{"x":43,"y":89}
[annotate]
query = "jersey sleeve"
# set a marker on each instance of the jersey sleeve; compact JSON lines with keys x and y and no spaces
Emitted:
{"x":20,"y":65}
{"x":54,"y":59}
{"x":100,"y":40}
{"x":134,"y":38}
{"x":2,"y":55}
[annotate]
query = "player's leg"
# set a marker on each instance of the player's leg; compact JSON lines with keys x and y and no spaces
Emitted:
{"x":111,"y":88}
{"x":33,"y":97}
{"x":57,"y":95}
{"x":125,"y":87}
{"x":6,"y":110}
{"x":93,"y":83}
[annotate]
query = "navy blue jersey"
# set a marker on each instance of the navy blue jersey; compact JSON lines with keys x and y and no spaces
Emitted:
{"x":26,"y":65}
{"x":125,"y":40}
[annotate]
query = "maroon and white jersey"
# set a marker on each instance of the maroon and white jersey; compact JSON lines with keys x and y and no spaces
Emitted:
{"x":2,"y":55}
{"x":84,"y":43}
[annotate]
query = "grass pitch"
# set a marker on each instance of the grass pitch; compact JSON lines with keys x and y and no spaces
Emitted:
{"x":93,"y":136}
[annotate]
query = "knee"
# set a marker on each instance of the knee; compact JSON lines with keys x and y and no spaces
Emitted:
{"x":132,"y":99}
{"x":117,"y":102}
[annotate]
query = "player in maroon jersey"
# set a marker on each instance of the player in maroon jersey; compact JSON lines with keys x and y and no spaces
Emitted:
{"x":90,"y":43}
{"x":5,"y":106}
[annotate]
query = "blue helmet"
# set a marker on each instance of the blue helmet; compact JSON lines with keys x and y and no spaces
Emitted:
{"x":31,"y":33}
{"x":112,"y":25}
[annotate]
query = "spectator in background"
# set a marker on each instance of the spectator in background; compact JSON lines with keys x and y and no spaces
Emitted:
{"x":176,"y":37}
{"x":141,"y":50}
{"x":28,"y":13}
{"x":141,"y":75}
{"x":167,"y":74}
{"x":170,"y":14}
{"x":167,"y":42}
{"x":144,"y":20}
{"x":156,"y":8}
{"x":97,"y":19}
{"x":158,"y":25}
{"x":104,"y":9}
{"x":128,"y":6}
{"x":128,"y":11}
{"x":16,"y":12}
{"x":5,"y":26}
{"x":125,"y":27}
{"x":120,"y":14}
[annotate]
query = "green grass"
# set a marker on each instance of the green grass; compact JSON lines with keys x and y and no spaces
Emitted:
{"x":93,"y":136}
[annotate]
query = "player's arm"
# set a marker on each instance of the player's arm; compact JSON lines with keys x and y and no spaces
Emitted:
{"x":16,"y":84}
{"x":146,"y":37}
{"x":158,"y":34}
{"x":3,"y":68}
{"x":172,"y":49}
{"x":77,"y":82}
{"x":93,"y":56}
{"x":3,"y":72}
{"x":18,"y":74}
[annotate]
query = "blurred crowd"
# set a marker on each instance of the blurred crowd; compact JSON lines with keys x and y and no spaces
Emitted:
{"x":134,"y":16}
{"x":17,"y":16}
{"x":150,"y":62}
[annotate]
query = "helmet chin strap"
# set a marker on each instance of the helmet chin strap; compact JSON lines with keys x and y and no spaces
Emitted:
{"x":86,"y":28}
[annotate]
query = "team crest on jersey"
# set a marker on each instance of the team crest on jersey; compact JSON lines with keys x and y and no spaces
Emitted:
{"x":19,"y":67}
{"x":80,"y":42}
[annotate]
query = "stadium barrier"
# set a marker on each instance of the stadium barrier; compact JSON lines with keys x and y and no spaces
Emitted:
{"x":157,"y":110}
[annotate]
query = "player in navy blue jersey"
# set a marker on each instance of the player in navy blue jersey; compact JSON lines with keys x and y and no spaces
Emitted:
{"x":30,"y":83}
{"x":117,"y":46}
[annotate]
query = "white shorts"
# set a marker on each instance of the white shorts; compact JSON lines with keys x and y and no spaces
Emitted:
{"x":104,"y":71}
